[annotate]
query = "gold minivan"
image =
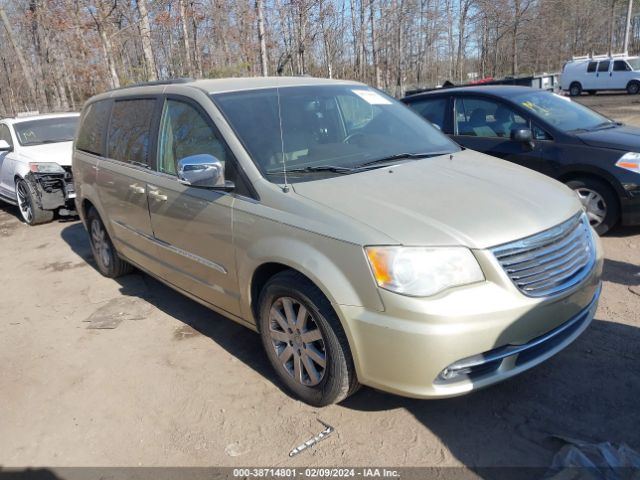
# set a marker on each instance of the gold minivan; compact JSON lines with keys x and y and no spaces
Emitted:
{"x":361,"y":243}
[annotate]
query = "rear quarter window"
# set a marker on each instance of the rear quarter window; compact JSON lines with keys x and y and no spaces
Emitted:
{"x":93,"y":128}
{"x":129,"y":137}
{"x":434,"y":110}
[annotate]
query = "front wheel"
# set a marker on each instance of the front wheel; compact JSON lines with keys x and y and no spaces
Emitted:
{"x":633,"y":88}
{"x":304,"y":340}
{"x":30,"y":211}
{"x":598,"y":201}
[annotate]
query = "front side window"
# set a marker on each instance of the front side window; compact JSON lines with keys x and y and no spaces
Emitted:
{"x":5,"y":134}
{"x":621,"y":66}
{"x":592,"y":67}
{"x":434,"y":110}
{"x":129,"y":131}
{"x":46,"y":130}
{"x":486,"y":118}
{"x":184,"y":131}
{"x":561,"y":112}
{"x":315,"y":127}
{"x":93,"y":128}
{"x":603,"y":66}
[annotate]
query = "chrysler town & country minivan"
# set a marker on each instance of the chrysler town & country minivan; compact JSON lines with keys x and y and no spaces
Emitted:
{"x":361,"y":243}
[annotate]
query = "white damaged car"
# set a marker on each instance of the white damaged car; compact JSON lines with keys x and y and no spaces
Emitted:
{"x":35,"y":165}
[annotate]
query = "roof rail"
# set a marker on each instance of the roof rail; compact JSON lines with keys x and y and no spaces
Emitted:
{"x":169,"y":81}
{"x":599,"y":57}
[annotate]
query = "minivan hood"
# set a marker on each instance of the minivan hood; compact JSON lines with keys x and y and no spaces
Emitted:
{"x":472,"y":199}
{"x":59,"y":153}
{"x":622,"y":137}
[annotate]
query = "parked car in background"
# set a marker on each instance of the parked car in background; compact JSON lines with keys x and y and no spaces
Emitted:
{"x":363,"y":244}
{"x":602,"y":72}
{"x":35,"y":165}
{"x":595,"y":156}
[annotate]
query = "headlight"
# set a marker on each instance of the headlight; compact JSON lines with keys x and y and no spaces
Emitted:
{"x":422,"y":271}
{"x":45,"y":167}
{"x":630,"y":161}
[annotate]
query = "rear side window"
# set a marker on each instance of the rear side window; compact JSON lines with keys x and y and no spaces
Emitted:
{"x":621,"y":66}
{"x":592,"y":67}
{"x":603,"y":66}
{"x":130,"y":131}
{"x":433,"y":110}
{"x":93,"y":128}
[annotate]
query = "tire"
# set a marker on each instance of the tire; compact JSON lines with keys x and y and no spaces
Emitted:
{"x":326,"y":340}
{"x":30,"y":212}
{"x":575,"y":89}
{"x":633,"y":87}
{"x":599,"y":200}
{"x":104,"y":253}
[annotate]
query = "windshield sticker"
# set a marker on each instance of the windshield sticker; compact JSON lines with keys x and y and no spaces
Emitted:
{"x":371,"y":97}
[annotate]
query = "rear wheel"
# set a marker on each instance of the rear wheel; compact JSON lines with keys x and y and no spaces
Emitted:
{"x":633,"y":87}
{"x":107,"y":259}
{"x":598,"y":201}
{"x":575,"y":89}
{"x":304,"y":340}
{"x":31,"y":213}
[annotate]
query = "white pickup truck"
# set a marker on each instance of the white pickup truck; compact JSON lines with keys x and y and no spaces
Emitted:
{"x":35,"y":165}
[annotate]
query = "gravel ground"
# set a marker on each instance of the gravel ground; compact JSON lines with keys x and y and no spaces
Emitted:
{"x":128,"y":372}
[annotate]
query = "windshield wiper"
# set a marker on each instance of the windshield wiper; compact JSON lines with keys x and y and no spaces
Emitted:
{"x":310,"y":169}
{"x":400,"y":156}
{"x":604,"y":125}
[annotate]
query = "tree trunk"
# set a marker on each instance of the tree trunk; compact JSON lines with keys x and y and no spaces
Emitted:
{"x":374,"y":48}
{"x":264,"y":69}
{"x":145,"y":34}
{"x":185,"y":38}
{"x":19,"y":56}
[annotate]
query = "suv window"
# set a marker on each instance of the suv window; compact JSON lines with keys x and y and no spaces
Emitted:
{"x":486,"y":118}
{"x":93,"y":128}
{"x":5,"y":134}
{"x":434,"y":110}
{"x":621,"y":66}
{"x":603,"y":66}
{"x":185,"y":131}
{"x":592,"y":67}
{"x":130,"y":131}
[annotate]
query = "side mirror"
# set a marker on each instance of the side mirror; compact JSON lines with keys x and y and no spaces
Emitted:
{"x":4,"y":146}
{"x":204,"y":171}
{"x":523,"y":135}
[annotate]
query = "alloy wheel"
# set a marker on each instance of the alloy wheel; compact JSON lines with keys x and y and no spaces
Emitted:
{"x":100,"y":243}
{"x":297,"y":341}
{"x":593,"y":204}
{"x":24,"y":202}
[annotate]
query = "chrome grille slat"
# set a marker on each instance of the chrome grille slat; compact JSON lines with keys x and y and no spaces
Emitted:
{"x":549,"y":262}
{"x":534,"y":253}
{"x":545,"y":267}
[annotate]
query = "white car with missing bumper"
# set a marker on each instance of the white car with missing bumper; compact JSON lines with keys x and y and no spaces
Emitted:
{"x":35,"y":165}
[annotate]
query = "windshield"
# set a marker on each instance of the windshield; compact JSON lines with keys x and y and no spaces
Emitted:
{"x":634,"y":63}
{"x":46,"y":130}
{"x":561,"y":112}
{"x":307,"y":129}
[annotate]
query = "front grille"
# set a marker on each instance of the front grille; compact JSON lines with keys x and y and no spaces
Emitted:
{"x":552,"y":261}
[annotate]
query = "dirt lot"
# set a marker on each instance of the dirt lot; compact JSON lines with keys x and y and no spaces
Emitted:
{"x":175,"y":384}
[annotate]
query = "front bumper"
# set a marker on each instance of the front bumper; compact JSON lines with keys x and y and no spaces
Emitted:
{"x":53,"y":190}
{"x":405,"y":349}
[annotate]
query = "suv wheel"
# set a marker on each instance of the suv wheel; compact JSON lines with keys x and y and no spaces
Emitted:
{"x":575,"y":89}
{"x":633,"y":87}
{"x":31,"y":213}
{"x":107,"y":259}
{"x":304,"y":340}
{"x":598,"y":201}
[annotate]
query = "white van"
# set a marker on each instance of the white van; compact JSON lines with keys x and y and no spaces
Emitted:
{"x":602,"y":72}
